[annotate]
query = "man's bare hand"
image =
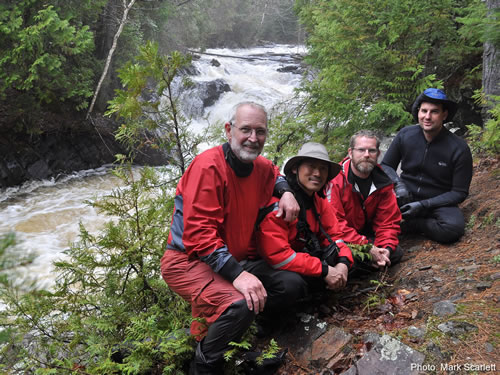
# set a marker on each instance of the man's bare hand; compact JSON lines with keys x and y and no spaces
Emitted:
{"x":336,"y":277}
{"x":252,"y":289}
{"x":380,"y":257}
{"x":288,"y":205}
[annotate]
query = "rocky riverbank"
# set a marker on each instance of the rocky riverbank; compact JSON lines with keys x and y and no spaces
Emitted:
{"x":59,"y":150}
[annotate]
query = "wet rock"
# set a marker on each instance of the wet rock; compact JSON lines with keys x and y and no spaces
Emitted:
{"x":199,"y":95}
{"x":288,"y":69}
{"x":483,"y":285}
{"x":327,"y":345}
{"x":73,"y":147}
{"x":456,"y":328}
{"x":215,"y":62}
{"x":299,"y":340}
{"x":444,"y":308}
{"x":387,"y":356}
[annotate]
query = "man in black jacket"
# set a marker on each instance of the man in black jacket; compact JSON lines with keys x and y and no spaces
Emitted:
{"x":436,"y":170}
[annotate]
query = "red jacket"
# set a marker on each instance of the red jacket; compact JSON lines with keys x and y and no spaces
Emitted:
{"x":215,"y":210}
{"x":379,"y":210}
{"x":278,"y":244}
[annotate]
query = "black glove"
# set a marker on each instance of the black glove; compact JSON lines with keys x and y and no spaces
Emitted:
{"x":403,"y":196}
{"x":412,"y":209}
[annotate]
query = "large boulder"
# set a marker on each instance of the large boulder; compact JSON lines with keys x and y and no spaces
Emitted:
{"x":201,"y":95}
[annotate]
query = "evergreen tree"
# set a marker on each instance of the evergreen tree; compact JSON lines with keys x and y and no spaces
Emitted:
{"x":373,"y":58}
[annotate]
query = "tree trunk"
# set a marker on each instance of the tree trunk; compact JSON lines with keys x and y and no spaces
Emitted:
{"x":491,"y":65}
{"x":126,"y":9}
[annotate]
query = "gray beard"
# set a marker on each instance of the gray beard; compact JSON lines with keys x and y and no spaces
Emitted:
{"x":244,"y":155}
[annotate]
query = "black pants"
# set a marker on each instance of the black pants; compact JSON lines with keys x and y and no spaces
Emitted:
{"x":283,"y":288}
{"x":442,"y":224}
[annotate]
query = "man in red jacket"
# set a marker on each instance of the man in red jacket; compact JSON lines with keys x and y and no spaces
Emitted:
{"x":210,"y":259}
{"x":299,"y":246}
{"x":363,"y":196}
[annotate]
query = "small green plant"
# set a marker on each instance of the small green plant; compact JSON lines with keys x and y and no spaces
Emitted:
{"x":496,"y":259}
{"x":271,"y":350}
{"x":488,"y":220}
{"x":361,"y":253}
{"x":375,"y":298}
{"x":471,"y":222}
{"x":486,"y":140}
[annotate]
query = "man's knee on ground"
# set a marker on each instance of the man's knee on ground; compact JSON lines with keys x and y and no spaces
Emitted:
{"x":445,"y":232}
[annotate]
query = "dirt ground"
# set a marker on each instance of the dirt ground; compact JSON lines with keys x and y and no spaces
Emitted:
{"x":466,"y":272}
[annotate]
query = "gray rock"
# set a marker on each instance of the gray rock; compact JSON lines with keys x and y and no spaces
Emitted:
{"x":469,"y":269}
{"x":444,"y":308}
{"x":387,"y":356}
{"x":483,"y":285}
{"x":495,"y":276}
{"x":435,"y":351}
{"x":456,"y":328}
{"x":413,"y":249}
{"x":288,"y":69}
{"x":416,"y":332}
{"x":199,"y":95}
{"x":489,"y":348}
{"x":456,"y":297}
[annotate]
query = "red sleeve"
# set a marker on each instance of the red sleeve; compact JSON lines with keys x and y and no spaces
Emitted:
{"x":274,"y":246}
{"x":203,"y":205}
{"x":330,"y":223}
{"x":386,"y":223}
{"x":349,"y":234}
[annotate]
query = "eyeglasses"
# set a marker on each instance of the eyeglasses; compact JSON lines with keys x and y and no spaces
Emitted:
{"x":371,"y":151}
{"x":259,"y":132}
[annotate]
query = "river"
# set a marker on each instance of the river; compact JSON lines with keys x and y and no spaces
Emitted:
{"x":45,"y":215}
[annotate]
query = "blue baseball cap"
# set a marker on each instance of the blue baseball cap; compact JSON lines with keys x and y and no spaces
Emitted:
{"x":436,"y":96}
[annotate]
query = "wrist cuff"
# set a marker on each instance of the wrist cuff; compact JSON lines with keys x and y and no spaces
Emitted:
{"x":231,"y":270}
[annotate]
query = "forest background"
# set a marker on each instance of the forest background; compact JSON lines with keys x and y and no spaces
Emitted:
{"x":77,"y":64}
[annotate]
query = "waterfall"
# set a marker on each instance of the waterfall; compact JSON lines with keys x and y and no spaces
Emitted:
{"x":45,"y":215}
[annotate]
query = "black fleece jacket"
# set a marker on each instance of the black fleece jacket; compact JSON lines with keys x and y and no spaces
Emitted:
{"x":437,"y":173}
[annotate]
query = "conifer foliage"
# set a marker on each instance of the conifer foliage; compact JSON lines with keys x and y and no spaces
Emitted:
{"x":373,"y":57}
{"x":110,"y":311}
